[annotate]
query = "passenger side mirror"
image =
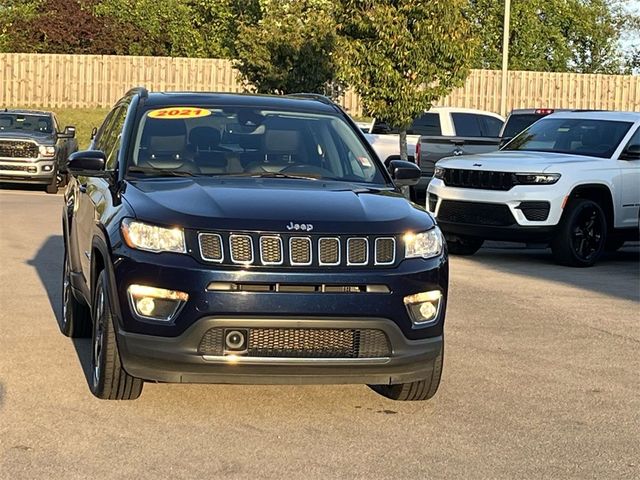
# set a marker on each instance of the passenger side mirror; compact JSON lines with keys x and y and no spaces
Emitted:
{"x":404,"y":173}
{"x":69,"y":132}
{"x":87,"y":163}
{"x":632,"y":152}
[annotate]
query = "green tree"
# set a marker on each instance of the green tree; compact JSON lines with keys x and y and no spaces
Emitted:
{"x":290,"y":48}
{"x":401,"y":56}
{"x":553,"y":35}
{"x":13,"y":12}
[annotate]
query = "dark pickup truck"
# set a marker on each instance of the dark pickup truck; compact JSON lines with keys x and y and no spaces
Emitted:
{"x":33,"y":149}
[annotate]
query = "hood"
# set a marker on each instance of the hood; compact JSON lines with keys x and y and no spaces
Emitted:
{"x":511,"y":161}
{"x":41,"y":138}
{"x":252,"y":204}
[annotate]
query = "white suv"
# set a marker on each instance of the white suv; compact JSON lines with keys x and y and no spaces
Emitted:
{"x":572,"y":179}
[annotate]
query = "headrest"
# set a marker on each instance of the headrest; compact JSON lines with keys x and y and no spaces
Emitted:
{"x":205,"y":137}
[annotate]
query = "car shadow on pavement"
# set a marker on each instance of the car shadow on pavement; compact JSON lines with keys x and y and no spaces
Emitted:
{"x":48,"y":265}
{"x":617,"y":274}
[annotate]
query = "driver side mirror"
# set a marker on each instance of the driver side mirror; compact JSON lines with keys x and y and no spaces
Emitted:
{"x":404,"y":174}
{"x":87,"y":163}
{"x":69,"y":132}
{"x":632,"y":152}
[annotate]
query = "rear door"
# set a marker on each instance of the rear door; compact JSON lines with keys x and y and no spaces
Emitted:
{"x":630,"y":173}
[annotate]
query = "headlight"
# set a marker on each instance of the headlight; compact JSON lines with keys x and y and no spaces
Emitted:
{"x":47,"y":150}
{"x":438,"y":172}
{"x":152,"y":238}
{"x":423,"y":245}
{"x":537,"y":178}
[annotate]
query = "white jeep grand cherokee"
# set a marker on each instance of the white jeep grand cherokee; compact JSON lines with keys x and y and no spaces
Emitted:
{"x":572,"y":179}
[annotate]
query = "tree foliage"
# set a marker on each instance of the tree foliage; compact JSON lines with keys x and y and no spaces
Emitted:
{"x":553,"y":35}
{"x":401,"y":56}
{"x":290,"y":48}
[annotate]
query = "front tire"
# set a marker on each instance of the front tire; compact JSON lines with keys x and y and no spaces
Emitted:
{"x":109,"y":380}
{"x":76,"y":317}
{"x":418,"y":390}
{"x":582,"y":234}
{"x":461,"y":245}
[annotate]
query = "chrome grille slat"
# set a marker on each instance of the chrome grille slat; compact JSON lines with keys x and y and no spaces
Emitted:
{"x":211,"y":247}
{"x":271,"y":250}
{"x":300,"y":251}
{"x":357,"y":251}
{"x":241,"y":249}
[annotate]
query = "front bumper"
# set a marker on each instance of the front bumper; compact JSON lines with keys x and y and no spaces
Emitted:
{"x":39,"y":171}
{"x":177,"y":360}
{"x":168,"y":352}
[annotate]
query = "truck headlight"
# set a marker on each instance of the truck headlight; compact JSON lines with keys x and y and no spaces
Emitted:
{"x":438,"y":172}
{"x":47,"y":151}
{"x":537,"y":178}
{"x":423,"y":245}
{"x":152,"y":238}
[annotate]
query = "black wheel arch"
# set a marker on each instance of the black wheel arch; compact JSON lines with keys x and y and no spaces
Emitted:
{"x":599,"y":193}
{"x":101,"y":259}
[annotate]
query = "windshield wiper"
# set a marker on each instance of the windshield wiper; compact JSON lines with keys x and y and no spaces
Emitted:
{"x":274,"y":175}
{"x":162,"y":171}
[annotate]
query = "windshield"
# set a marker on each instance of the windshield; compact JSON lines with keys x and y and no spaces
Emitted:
{"x":14,"y":122}
{"x":576,"y":136}
{"x":245,"y":141}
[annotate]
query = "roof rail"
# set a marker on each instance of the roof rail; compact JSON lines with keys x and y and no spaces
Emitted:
{"x":143,"y":92}
{"x":313,"y":96}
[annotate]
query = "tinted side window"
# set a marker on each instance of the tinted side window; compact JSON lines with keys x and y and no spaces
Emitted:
{"x":427,"y":124}
{"x":111,"y":144}
{"x":490,"y":126}
{"x":466,"y":124}
{"x":103,"y":131}
{"x":635,"y":139}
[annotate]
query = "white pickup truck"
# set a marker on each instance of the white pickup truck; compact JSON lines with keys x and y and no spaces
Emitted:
{"x":572,"y":179}
{"x":437,"y":122}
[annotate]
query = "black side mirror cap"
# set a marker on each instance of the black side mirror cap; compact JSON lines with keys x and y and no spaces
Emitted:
{"x":632,"y":152}
{"x":87,"y":163}
{"x":404,"y":173}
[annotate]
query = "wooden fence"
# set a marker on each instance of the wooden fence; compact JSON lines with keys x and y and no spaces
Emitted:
{"x":87,"y":81}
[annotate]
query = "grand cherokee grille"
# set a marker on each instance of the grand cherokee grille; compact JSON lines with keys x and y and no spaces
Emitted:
{"x":18,"y":149}
{"x":475,"y":213}
{"x":295,"y":250}
{"x":480,"y":179}
{"x":303,"y":343}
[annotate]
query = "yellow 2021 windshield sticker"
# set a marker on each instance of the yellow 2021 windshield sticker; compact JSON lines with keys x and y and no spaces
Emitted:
{"x":172,"y":113}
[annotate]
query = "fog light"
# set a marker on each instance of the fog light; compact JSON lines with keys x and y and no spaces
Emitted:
{"x":423,"y":308}
{"x":235,"y":340}
{"x":155,"y":303}
{"x":46,"y":168}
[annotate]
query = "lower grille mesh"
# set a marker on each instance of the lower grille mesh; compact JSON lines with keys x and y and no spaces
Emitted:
{"x":475,"y":213}
{"x":304,"y":343}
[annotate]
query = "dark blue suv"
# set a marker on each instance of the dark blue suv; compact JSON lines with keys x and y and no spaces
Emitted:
{"x":223,"y":238}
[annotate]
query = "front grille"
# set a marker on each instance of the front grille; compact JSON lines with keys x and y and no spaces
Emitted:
{"x":18,"y":149}
{"x":294,"y":250}
{"x":19,"y":168}
{"x":473,"y":213}
{"x":485,"y":180}
{"x":358,"y":251}
{"x":303,"y":343}
{"x":535,"y":211}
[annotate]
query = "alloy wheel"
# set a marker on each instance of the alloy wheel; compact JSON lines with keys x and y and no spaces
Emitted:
{"x":588,"y":234}
{"x":98,"y":333}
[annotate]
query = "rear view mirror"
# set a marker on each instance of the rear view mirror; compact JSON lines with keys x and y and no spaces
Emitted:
{"x":632,"y":152}
{"x":404,"y":173}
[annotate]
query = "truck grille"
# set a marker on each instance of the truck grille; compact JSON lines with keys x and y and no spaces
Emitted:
{"x":19,"y":168}
{"x":485,"y":180}
{"x":18,"y":149}
{"x":475,"y":213}
{"x":295,"y":250}
{"x":303,"y":343}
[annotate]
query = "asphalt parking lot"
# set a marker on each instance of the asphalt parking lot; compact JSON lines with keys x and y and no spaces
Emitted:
{"x":541,"y":380}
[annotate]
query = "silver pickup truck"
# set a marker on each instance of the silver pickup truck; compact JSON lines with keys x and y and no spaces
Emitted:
{"x":33,"y":149}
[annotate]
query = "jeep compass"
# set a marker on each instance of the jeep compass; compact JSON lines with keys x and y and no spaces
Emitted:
{"x":224,"y":238}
